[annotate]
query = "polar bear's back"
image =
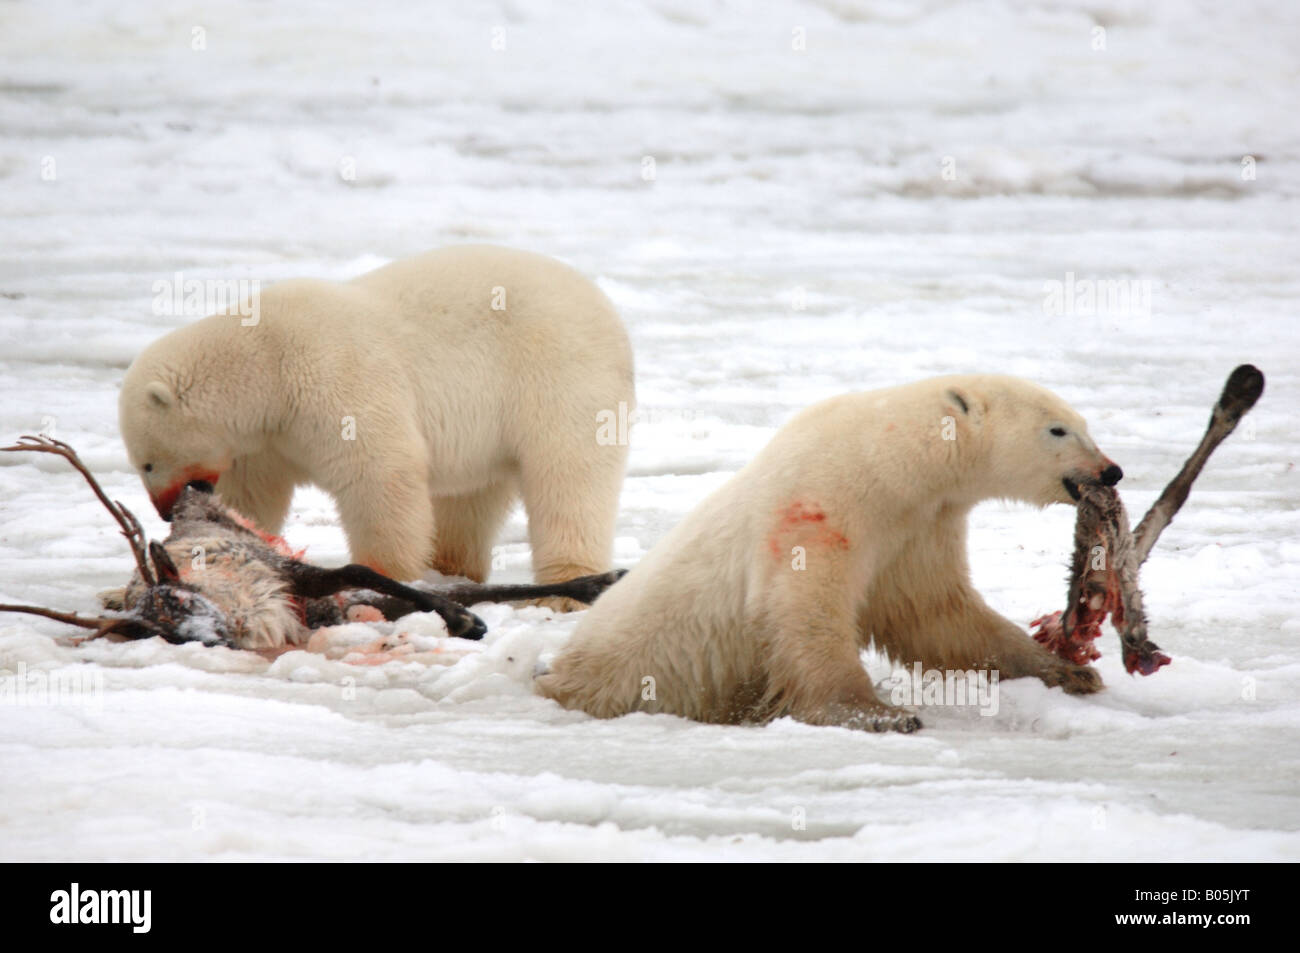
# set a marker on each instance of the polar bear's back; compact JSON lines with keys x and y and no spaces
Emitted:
{"x":485,"y":345}
{"x":477,"y":312}
{"x":468,"y":286}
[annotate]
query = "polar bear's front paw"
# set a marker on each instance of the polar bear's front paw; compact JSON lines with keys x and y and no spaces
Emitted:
{"x":882,"y":718}
{"x":902,"y":722}
{"x":1075,"y":679}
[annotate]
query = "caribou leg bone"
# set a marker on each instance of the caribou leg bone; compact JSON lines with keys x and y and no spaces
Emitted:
{"x":1107,"y":556}
{"x":1244,"y":387}
{"x":314,"y":582}
{"x":582,"y":589}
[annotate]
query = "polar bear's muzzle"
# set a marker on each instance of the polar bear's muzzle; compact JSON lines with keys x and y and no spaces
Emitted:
{"x":1111,"y":475}
{"x":202,"y":480}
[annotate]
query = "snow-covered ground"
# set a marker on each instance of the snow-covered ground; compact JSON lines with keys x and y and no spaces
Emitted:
{"x":787,"y":201}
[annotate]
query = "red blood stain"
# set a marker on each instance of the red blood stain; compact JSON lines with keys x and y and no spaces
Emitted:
{"x":832,"y":538}
{"x":278,"y":543}
{"x":166,"y":499}
{"x":803,"y":524}
{"x":795,"y":513}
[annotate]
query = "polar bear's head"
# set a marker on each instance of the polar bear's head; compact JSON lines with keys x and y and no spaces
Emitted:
{"x":168,"y":442}
{"x":1038,"y":448}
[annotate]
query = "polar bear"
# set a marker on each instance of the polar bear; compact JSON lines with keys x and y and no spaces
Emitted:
{"x":849,"y":528}
{"x":425,"y":397}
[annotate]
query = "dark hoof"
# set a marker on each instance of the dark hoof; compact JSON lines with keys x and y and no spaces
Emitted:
{"x":589,"y":588}
{"x":466,"y":626}
{"x":1244,"y":387}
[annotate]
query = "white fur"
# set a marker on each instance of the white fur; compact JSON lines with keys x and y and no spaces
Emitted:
{"x":458,"y":408}
{"x":726,"y":627}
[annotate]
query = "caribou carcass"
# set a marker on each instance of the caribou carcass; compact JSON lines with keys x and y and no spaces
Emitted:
{"x":218,"y":580}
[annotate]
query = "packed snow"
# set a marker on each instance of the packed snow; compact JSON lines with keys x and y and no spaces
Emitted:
{"x":786,"y":201}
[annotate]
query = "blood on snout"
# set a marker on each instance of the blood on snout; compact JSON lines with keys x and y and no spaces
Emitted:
{"x":165,"y":500}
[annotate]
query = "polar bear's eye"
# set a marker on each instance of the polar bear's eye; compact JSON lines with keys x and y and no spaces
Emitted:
{"x":148,"y":468}
{"x":1057,"y":431}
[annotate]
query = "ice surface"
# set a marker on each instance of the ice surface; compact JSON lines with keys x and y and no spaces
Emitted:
{"x":799,"y":239}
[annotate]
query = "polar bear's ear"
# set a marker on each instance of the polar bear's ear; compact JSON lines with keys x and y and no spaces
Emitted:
{"x":971,"y":407}
{"x":160,"y":394}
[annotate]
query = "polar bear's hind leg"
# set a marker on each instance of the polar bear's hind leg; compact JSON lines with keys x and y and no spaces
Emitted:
{"x":813,"y":666}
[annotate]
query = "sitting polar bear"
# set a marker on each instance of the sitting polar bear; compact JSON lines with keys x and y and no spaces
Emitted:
{"x":425,"y":397}
{"x":849,"y":528}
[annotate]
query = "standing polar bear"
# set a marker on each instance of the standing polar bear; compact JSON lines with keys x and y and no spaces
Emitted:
{"x":425,"y":397}
{"x":848,"y":528}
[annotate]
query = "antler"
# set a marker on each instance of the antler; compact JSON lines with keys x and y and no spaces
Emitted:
{"x":131,"y":528}
{"x":131,"y":628}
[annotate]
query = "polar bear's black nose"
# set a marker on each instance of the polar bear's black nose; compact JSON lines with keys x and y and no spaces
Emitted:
{"x":1111,"y":475}
{"x":203,"y":486}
